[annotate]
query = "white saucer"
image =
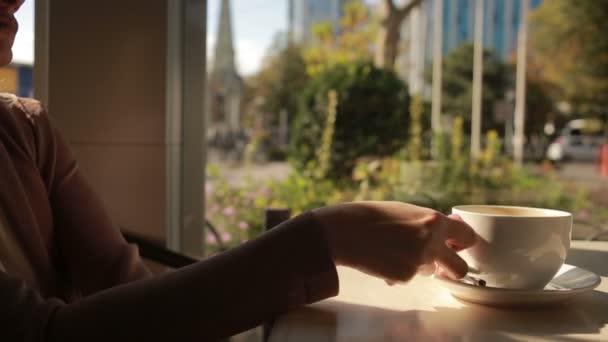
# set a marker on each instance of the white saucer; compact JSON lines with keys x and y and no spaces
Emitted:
{"x":568,"y":282}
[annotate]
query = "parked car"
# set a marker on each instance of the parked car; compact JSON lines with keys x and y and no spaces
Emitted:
{"x":579,"y":140}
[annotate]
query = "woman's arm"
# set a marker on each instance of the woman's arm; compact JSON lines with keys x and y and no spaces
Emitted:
{"x":226,"y":294}
{"x":284,"y":268}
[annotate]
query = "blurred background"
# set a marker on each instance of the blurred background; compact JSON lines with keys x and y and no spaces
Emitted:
{"x":314,"y":102}
{"x":434,"y":102}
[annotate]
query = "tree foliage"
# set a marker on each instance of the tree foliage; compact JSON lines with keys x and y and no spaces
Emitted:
{"x":371,"y":117}
{"x":457,"y":85}
{"x":540,"y":107}
{"x":280,"y":80}
{"x":498,"y":79}
{"x":354,"y":41}
{"x":569,"y":41}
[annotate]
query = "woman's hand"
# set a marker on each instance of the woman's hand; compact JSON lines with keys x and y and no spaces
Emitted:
{"x":395,"y":240}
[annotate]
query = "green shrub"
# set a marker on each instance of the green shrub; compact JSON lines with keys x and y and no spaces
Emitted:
{"x":237,"y":210}
{"x":456,"y":179}
{"x":371,"y":117}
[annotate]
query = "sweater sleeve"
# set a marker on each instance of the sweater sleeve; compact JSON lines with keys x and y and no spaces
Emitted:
{"x":284,"y":268}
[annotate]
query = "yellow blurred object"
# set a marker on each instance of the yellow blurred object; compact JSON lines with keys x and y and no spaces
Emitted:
{"x":9,"y":79}
{"x":587,"y":126}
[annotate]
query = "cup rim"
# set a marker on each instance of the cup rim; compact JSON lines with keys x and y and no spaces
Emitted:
{"x":543,"y":212}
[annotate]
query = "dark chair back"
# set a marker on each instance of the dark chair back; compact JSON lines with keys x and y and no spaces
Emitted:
{"x":153,"y":251}
{"x":273,"y":217}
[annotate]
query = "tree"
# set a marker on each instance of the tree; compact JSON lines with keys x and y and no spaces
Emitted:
{"x":389,"y":32}
{"x":457,"y":83}
{"x":280,"y":80}
{"x":354,"y":42}
{"x":569,"y":41}
{"x":272,"y":93}
{"x":540,"y":107}
{"x":370,"y":118}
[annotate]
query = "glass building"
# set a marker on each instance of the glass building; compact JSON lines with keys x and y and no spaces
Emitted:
{"x":303,"y":14}
{"x":501,"y":24}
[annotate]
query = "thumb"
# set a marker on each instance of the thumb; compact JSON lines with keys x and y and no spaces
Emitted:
{"x":456,"y":217}
{"x":459,"y":233}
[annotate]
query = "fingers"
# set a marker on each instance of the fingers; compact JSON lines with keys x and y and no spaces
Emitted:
{"x":441,"y":272}
{"x":451,"y":263}
{"x":459,"y":234}
{"x":427,"y":269}
{"x":398,"y":270}
{"x":455,"y":245}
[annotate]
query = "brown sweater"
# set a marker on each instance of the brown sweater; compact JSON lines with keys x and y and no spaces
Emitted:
{"x":90,"y":285}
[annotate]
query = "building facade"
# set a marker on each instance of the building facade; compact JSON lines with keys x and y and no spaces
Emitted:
{"x":501,"y":24}
{"x":304,"y":14}
{"x":17,"y":78}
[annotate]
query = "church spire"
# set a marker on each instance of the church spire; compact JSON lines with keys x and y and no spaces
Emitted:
{"x":223,"y":59}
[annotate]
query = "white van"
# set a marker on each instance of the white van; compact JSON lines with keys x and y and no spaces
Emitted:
{"x":579,"y":140}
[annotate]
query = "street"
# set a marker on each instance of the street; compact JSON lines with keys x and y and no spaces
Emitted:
{"x":586,"y":174}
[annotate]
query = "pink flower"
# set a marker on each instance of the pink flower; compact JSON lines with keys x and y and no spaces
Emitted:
{"x":214,"y":209}
{"x":229,"y":211}
{"x":243,"y":225}
{"x":211,"y":239}
{"x":208,"y":189}
{"x":226,"y":237}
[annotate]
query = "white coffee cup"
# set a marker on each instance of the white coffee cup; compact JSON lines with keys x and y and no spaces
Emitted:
{"x":519,"y":247}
